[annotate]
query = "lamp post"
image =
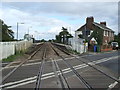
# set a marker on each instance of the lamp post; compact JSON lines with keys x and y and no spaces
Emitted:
{"x":28,"y":29}
{"x":17,"y":29}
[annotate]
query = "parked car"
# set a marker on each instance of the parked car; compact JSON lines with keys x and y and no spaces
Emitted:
{"x":115,"y":45}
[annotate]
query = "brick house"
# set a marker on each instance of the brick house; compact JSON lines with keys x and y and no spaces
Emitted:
{"x":87,"y":29}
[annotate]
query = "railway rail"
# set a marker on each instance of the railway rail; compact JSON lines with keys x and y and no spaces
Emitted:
{"x":58,"y":72}
{"x":39,"y":76}
{"x":75,"y":72}
{"x":21,"y":63}
{"x":89,"y":64}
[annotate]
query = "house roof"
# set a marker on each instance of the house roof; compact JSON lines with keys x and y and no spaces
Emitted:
{"x":102,"y":26}
{"x":80,"y":29}
{"x":98,"y":25}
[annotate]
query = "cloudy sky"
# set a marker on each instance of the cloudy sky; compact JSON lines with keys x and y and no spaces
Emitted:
{"x":47,"y":18}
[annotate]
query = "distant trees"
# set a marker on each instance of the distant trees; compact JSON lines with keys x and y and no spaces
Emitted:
{"x":6,"y":32}
{"x":63,"y":36}
{"x":117,"y":39}
{"x":42,"y":40}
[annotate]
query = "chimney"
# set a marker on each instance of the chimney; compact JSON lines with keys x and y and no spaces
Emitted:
{"x":89,"y":22}
{"x":103,"y":23}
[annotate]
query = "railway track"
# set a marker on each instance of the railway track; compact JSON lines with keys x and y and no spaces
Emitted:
{"x":21,"y":63}
{"x":92,"y":65}
{"x":74,"y":71}
{"x":58,"y":73}
{"x":61,"y":77}
{"x":39,"y":76}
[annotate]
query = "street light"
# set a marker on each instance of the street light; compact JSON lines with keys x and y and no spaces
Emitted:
{"x":28,"y":29}
{"x":17,"y":28}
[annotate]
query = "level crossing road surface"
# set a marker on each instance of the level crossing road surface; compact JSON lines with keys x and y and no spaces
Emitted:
{"x":51,"y":66}
{"x":112,"y":64}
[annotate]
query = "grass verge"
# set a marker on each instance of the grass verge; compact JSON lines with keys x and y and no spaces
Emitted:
{"x":73,"y":51}
{"x":13,"y":57}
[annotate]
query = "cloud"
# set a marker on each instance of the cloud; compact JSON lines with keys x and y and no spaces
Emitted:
{"x":51,"y":16}
{"x":39,"y":23}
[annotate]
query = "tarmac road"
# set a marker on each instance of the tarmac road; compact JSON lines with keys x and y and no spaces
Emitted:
{"x":25,"y":77}
{"x":113,"y":64}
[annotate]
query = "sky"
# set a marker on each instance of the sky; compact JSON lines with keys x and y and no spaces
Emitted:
{"x":46,"y":19}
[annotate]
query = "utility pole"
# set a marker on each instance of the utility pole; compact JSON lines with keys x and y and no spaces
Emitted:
{"x":17,"y":29}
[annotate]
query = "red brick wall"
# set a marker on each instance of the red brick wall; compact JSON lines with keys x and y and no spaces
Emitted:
{"x":89,"y":22}
{"x":108,"y":38}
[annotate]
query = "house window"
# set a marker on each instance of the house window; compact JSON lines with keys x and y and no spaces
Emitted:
{"x":104,"y":33}
{"x":111,"y":34}
{"x":107,"y":33}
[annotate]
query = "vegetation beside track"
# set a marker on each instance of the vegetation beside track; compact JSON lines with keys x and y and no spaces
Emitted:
{"x":73,"y":51}
{"x":13,"y":57}
{"x":21,"y":54}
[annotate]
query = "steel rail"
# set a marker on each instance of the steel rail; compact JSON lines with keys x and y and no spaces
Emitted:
{"x":113,"y":78}
{"x":39,"y":76}
{"x":11,"y":72}
{"x":58,"y":75}
{"x":61,"y":49}
{"x":75,"y":72}
{"x":61,"y":72}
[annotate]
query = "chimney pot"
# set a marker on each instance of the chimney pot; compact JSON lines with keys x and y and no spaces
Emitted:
{"x":103,"y":23}
{"x":90,"y":20}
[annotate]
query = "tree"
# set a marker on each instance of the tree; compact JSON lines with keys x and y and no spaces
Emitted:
{"x":98,"y":35}
{"x":58,"y":39}
{"x":117,"y":39}
{"x":7,"y":33}
{"x":63,"y":36}
{"x":43,"y":40}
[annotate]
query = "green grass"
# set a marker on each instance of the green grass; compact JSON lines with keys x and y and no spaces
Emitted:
{"x":73,"y":51}
{"x":13,"y":57}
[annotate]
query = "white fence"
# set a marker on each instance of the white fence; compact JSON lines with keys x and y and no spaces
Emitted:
{"x":78,"y":45}
{"x":9,"y":48}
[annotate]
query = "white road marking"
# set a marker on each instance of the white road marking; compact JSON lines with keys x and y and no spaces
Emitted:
{"x":7,"y":84}
{"x":105,"y":59}
{"x":45,"y":76}
{"x":24,"y":83}
{"x":49,"y":75}
{"x":112,"y":85}
{"x":92,"y":63}
{"x":22,"y":65}
{"x":31,"y":63}
{"x":5,"y":63}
